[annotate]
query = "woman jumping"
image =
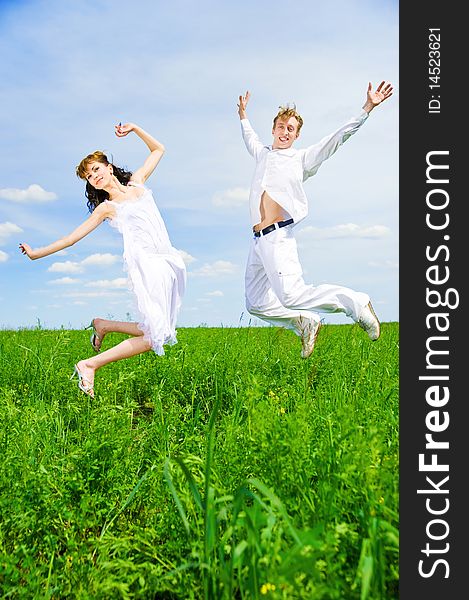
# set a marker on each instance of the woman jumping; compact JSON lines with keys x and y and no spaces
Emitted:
{"x":156,"y":271}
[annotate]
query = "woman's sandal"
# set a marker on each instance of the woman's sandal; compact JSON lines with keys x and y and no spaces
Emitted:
{"x":95,"y":338}
{"x":82,"y":382}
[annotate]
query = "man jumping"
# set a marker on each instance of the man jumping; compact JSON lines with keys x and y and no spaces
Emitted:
{"x":274,"y":285}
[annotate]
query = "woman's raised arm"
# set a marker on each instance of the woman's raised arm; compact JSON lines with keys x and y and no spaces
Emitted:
{"x":156,"y":150}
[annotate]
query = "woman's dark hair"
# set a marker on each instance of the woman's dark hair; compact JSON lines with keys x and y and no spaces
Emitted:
{"x":94,"y":196}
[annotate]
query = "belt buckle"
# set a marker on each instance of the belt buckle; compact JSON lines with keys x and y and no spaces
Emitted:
{"x":272,"y":227}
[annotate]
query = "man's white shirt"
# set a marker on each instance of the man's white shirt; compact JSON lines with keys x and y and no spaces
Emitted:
{"x":282,"y":172}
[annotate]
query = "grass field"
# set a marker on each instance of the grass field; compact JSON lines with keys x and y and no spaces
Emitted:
{"x":229,"y":468}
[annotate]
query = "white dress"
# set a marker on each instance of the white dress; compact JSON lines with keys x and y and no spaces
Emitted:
{"x":155,"y":269}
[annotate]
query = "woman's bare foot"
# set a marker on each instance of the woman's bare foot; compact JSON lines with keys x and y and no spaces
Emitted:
{"x":86,"y":377}
{"x":98,"y":333}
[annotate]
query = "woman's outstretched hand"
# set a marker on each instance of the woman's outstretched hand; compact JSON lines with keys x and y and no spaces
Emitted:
{"x":123,"y":129}
{"x":26,"y":249}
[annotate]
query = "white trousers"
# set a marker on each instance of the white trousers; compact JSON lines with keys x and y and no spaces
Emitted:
{"x":275,"y":289}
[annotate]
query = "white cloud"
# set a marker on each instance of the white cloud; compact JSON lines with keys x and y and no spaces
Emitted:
{"x":3,"y":256}
{"x":7,"y":229}
{"x":68,"y":266}
{"x":64,"y":281}
{"x":100,"y":259}
{"x":386,"y":264}
{"x":120,"y":282}
{"x":33,"y":193}
{"x":217,"y":293}
{"x":347,"y":230}
{"x":186,"y":257}
{"x":219,"y":267}
{"x":98,"y":294}
{"x":232,"y":198}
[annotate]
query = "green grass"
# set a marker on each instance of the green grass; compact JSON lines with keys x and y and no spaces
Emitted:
{"x":229,"y":468}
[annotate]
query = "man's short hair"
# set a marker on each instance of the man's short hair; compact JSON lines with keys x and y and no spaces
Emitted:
{"x":287,"y":111}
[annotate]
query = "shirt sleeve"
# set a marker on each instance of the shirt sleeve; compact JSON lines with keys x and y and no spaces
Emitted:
{"x":315,"y":155}
{"x":251,"y":139}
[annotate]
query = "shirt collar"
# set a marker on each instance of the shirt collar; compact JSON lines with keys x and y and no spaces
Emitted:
{"x":284,"y":151}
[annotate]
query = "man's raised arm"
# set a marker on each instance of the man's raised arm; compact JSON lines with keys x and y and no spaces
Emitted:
{"x":253,"y":144}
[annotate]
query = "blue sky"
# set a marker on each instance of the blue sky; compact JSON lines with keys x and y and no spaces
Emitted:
{"x":75,"y":69}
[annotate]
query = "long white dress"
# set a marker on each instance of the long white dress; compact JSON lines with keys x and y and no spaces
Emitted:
{"x":155,"y":269}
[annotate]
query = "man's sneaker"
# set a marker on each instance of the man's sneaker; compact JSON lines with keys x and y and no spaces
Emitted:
{"x":369,"y":322}
{"x":309,"y":329}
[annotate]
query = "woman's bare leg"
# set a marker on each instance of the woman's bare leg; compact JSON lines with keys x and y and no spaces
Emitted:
{"x":103,"y":326}
{"x":126,"y":349}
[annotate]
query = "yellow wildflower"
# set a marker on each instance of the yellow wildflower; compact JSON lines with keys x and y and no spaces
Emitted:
{"x":267,"y":587}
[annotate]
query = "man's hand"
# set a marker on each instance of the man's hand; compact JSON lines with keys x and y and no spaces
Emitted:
{"x":382,"y":93}
{"x":243,"y":102}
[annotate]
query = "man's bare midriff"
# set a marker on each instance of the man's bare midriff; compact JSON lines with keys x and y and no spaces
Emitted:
{"x":271,"y":212}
